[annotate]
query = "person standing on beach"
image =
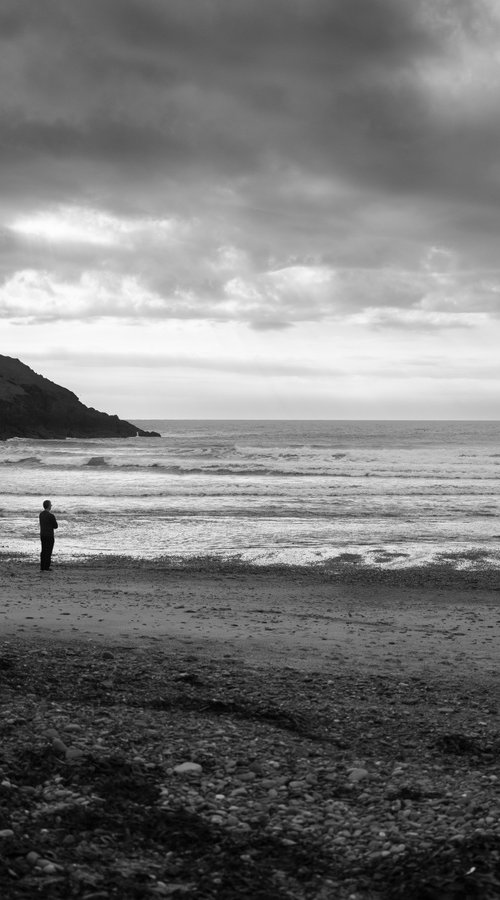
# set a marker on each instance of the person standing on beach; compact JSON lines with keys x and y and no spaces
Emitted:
{"x":48,"y":523}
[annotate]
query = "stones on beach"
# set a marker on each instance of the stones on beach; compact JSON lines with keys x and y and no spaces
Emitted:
{"x":59,"y":746}
{"x":188,"y":678}
{"x":249,"y":783}
{"x":169,"y":889}
{"x":297,"y":787}
{"x":47,"y":866}
{"x":188,"y":768}
{"x":356,"y":775}
{"x":74,"y":753}
{"x":71,"y":754}
{"x":72,"y":727}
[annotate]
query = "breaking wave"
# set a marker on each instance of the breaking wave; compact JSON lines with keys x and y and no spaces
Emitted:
{"x":23,"y":461}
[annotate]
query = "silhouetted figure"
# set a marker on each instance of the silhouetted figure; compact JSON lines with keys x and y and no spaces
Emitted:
{"x":48,"y":523}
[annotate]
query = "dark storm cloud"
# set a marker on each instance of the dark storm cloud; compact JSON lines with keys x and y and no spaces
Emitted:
{"x":350,"y":135}
{"x":218,"y":83}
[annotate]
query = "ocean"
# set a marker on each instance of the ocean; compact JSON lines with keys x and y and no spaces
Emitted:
{"x":378,"y":493}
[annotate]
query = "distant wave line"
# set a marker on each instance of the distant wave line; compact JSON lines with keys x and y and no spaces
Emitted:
{"x":253,"y":472}
{"x":267,"y":513}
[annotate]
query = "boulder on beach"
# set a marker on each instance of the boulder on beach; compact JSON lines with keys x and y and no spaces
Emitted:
{"x":31,"y":406}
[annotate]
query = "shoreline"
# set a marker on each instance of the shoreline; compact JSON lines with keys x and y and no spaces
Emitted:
{"x":439,"y":623}
{"x":241,"y":734}
{"x":461,"y":569}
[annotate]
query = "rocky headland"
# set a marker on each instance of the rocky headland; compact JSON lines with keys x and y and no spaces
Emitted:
{"x":31,"y":406}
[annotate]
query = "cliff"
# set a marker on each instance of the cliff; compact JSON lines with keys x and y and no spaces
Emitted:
{"x":34,"y":407}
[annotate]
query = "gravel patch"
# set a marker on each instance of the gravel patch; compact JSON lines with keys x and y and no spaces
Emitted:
{"x":126,"y":773}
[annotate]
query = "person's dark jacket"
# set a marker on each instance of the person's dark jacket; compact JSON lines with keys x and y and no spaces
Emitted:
{"x":48,"y":523}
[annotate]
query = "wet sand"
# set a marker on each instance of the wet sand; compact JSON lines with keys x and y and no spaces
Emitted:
{"x":262,"y":618}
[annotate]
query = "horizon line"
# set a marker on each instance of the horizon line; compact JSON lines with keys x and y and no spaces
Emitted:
{"x":298,"y":419}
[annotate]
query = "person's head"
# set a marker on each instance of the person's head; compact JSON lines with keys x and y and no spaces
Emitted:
{"x":47,"y":504}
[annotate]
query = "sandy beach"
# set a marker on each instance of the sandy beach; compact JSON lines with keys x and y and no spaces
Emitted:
{"x":390,"y":624}
{"x":290,"y":734}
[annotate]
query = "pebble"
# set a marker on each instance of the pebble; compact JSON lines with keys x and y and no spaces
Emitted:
{"x":6,"y":833}
{"x":73,"y":753}
{"x":47,"y":866}
{"x":355,"y":775}
{"x":188,"y":768}
{"x":296,"y":787}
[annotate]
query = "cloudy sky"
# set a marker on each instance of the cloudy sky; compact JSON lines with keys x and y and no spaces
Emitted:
{"x":254,"y":208}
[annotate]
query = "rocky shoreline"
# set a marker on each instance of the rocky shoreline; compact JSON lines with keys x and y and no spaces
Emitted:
{"x":214,"y":731}
{"x":141,"y":773}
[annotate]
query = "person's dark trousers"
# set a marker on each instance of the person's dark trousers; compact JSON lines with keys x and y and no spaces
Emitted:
{"x":46,"y":554}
